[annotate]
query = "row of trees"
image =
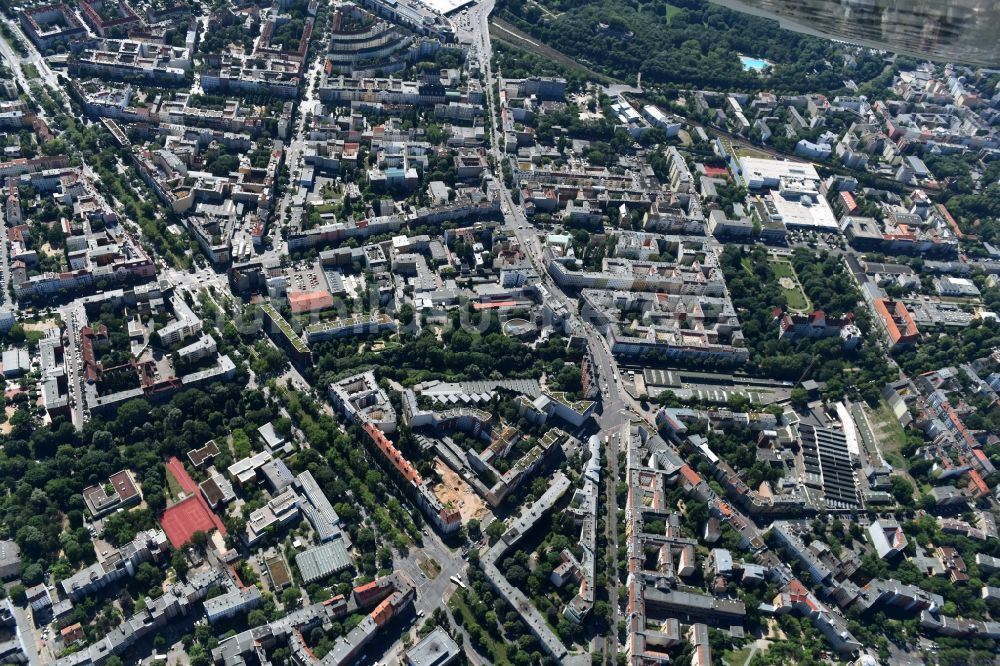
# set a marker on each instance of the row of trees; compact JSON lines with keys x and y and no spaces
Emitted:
{"x":979,"y":213}
{"x":939,"y":348}
{"x":137,"y":202}
{"x":493,"y":626}
{"x":460,"y":354}
{"x":352,"y":479}
{"x":731,"y":445}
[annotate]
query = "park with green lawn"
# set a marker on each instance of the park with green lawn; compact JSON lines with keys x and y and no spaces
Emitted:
{"x":789,"y":283}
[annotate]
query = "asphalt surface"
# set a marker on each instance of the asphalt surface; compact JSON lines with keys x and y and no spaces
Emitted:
{"x":618,"y":407}
{"x":45,"y":74}
{"x":75,"y":318}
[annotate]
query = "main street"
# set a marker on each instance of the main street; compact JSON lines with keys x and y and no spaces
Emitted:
{"x":615,"y":398}
{"x":613,"y":448}
{"x":618,"y":407}
{"x":293,"y":154}
{"x":13,"y":59}
{"x":45,"y":74}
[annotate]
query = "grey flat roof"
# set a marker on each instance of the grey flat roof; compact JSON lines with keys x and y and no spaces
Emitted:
{"x":273,"y":439}
{"x":278,"y":474}
{"x":9,"y":552}
{"x":321,"y":561}
{"x":435,"y":649}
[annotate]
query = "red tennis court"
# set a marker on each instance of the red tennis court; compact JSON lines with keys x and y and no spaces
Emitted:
{"x":191,"y":514}
{"x":176,"y":468}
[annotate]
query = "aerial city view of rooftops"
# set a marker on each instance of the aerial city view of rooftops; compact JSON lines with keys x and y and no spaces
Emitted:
{"x":489,"y":332}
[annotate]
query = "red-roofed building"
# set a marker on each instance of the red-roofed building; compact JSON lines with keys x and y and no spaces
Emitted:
{"x":369,"y":594}
{"x":953,"y":564}
{"x":301,"y":641}
{"x":897,"y":322}
{"x":91,"y":339}
{"x":309,"y":301}
{"x":951,"y":222}
{"x":18,"y":234}
{"x":71,"y":634}
{"x":847,"y":203}
{"x":817,"y":325}
{"x":392,"y":454}
{"x":365,"y":592}
{"x":108,"y":20}
{"x":383,"y":612}
{"x":690,"y":476}
{"x":450,"y":515}
{"x":958,"y":425}
{"x":798,"y":594}
{"x":977,"y":486}
{"x":337,"y":600}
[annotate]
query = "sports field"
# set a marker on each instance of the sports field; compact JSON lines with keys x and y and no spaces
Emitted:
{"x":191,"y":514}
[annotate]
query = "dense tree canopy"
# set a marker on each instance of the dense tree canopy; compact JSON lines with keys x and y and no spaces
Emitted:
{"x":44,"y":470}
{"x":979,"y":213}
{"x":755,"y":291}
{"x":685,"y":42}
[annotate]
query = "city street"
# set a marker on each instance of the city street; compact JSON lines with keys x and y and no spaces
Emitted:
{"x":47,"y":77}
{"x":617,"y":406}
{"x":13,"y":59}
{"x":431,"y":592}
{"x":75,"y":318}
